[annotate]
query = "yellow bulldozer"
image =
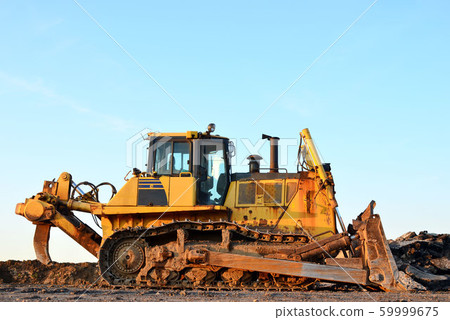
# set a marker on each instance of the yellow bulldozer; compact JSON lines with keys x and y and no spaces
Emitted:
{"x":189,"y":222}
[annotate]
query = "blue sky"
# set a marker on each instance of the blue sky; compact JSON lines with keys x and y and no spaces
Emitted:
{"x":377,"y":102}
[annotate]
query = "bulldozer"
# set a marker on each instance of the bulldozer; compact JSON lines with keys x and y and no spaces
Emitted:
{"x":188,"y":221}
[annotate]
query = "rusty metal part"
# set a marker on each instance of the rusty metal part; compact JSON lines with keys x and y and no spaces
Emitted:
{"x":128,"y":256}
{"x":323,"y":248}
{"x":378,"y":256}
{"x":200,"y":276}
{"x":181,"y":239}
{"x":291,"y":268}
{"x":273,"y":152}
{"x":226,"y":239}
{"x":77,"y":205}
{"x":161,"y":276}
{"x":40,"y":242}
{"x":196,"y":256}
{"x":60,"y":188}
{"x":35,"y":210}
{"x":356,"y":263}
{"x":78,"y":231}
{"x":42,"y":210}
{"x":39,"y":208}
{"x":283,"y":281}
{"x":314,"y":251}
{"x":234,"y":277}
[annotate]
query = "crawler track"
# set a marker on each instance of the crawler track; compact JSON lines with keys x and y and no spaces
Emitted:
{"x":154,"y":257}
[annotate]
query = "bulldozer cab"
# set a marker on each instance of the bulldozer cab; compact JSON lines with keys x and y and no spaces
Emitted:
{"x":195,"y":164}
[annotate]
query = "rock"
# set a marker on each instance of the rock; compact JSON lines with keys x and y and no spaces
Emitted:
{"x":443,"y":264}
{"x":422,"y":275}
{"x":398,"y":245}
{"x":406,"y":236}
{"x":409,"y":283}
{"x":431,"y":281}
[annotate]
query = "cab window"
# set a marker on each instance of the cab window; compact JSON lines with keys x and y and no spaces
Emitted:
{"x":180,"y":157}
{"x":163,"y":155}
{"x":172,"y":158}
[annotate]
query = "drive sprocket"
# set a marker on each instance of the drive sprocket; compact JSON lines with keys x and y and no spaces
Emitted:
{"x":122,"y":258}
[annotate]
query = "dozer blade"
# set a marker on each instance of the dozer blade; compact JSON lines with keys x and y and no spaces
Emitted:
{"x":377,"y":255}
{"x":40,"y":242}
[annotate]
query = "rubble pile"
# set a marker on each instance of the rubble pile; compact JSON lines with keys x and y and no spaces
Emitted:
{"x":423,"y":260}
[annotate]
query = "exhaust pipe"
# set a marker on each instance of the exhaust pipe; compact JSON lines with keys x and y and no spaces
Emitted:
{"x":273,"y":152}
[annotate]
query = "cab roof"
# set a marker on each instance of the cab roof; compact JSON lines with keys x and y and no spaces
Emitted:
{"x":186,"y":135}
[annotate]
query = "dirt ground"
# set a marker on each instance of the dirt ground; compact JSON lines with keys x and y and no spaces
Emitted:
{"x":32,"y":281}
{"x":39,"y":293}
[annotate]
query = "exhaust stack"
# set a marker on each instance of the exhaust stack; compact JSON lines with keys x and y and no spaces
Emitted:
{"x":273,"y":152}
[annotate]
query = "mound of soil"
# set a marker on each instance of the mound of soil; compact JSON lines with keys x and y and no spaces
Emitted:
{"x":34,"y":272}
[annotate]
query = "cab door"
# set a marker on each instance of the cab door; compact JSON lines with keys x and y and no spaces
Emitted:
{"x":182,"y":183}
{"x":211,"y":170}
